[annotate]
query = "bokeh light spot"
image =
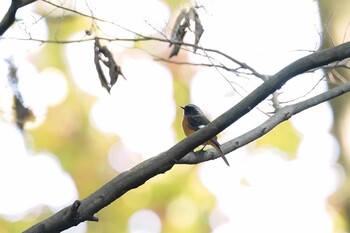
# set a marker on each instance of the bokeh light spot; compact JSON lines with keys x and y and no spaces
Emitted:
{"x":181,"y":213}
{"x":145,"y":221}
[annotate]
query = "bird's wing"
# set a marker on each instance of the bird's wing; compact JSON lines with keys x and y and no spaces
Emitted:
{"x":197,"y":121}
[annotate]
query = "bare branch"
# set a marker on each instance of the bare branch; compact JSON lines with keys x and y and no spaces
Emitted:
{"x":163,"y":162}
{"x":10,"y":15}
{"x":242,"y":65}
{"x":280,"y":116}
{"x":221,"y":66}
{"x":177,"y":43}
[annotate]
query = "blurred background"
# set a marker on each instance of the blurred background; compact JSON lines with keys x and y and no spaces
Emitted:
{"x":77,"y":137}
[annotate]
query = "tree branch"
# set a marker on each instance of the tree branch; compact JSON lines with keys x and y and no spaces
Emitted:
{"x":10,"y":15}
{"x":280,"y":116}
{"x":163,"y":162}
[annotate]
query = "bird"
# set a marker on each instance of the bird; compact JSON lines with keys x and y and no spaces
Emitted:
{"x":193,"y":120}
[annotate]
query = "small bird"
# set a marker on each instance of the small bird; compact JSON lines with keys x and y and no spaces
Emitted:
{"x":193,"y":120}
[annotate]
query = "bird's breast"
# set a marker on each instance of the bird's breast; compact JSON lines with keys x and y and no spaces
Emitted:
{"x":186,"y":127}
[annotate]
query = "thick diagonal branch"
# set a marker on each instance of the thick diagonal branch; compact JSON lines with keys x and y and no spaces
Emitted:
{"x":165,"y":161}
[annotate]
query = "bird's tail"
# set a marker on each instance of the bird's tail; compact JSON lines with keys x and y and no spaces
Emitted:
{"x":216,"y":145}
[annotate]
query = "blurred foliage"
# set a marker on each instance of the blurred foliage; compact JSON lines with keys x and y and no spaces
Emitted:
{"x":176,"y":4}
{"x":290,"y":141}
{"x":335,"y":15}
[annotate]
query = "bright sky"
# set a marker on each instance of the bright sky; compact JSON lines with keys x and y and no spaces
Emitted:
{"x":277,"y":196}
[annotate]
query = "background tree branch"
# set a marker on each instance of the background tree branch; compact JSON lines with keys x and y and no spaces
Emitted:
{"x":10,"y":15}
{"x":85,"y":209}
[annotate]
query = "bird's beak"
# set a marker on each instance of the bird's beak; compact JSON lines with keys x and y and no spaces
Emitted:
{"x":183,"y":107}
